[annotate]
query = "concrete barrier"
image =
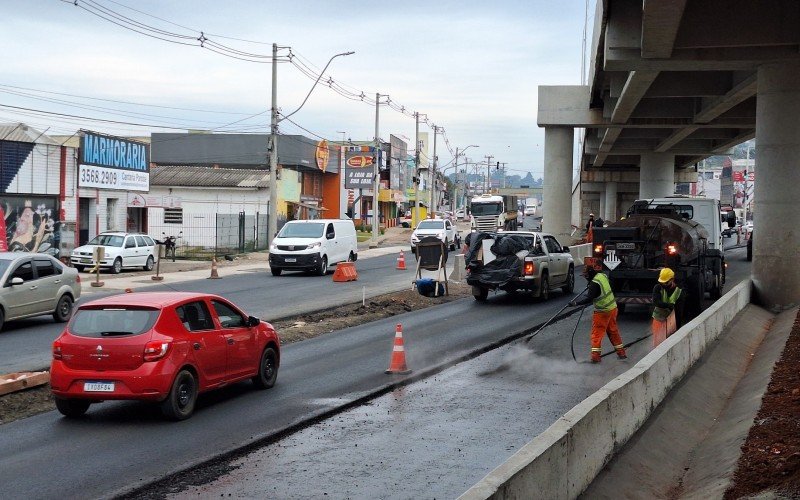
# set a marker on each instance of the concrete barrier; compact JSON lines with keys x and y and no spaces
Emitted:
{"x":580,"y":251}
{"x":562,"y":461}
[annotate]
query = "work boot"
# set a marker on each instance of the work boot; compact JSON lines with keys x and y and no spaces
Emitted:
{"x":621,"y":353}
{"x":596,"y":357}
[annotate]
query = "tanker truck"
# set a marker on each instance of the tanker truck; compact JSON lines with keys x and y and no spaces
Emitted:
{"x":491,"y":212}
{"x":663,"y":233}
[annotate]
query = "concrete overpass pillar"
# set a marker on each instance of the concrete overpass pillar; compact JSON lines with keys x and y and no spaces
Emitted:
{"x":656,"y":175}
{"x":776,"y":275}
{"x":558,"y":182}
{"x":610,"y":213}
{"x":602,"y":212}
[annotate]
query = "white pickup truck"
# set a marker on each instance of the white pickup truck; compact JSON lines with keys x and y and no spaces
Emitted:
{"x":543,"y":266}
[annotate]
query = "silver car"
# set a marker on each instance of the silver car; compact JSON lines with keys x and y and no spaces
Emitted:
{"x":36,"y":284}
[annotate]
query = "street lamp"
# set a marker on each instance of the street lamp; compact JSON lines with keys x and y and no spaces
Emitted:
{"x":273,"y":139}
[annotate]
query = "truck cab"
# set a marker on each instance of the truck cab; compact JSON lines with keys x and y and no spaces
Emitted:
{"x":492,"y":212}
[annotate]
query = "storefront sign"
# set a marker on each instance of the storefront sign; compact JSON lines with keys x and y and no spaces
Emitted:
{"x":322,"y":155}
{"x":358,"y":178}
{"x":108,"y":162}
{"x":143,"y":201}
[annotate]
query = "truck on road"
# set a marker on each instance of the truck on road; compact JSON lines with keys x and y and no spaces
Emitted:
{"x":681,"y":233}
{"x":518,"y":261}
{"x":492,"y":212}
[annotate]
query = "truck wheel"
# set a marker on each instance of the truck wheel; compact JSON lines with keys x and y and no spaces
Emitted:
{"x":569,"y":286}
{"x":480,"y":294}
{"x":697,"y":292}
{"x":544,"y":288}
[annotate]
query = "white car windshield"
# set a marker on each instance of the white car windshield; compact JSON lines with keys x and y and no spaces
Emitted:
{"x":107,"y":240}
{"x":431,"y":224}
{"x":310,"y":230}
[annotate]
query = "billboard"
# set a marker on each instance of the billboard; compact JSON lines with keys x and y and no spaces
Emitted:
{"x":108,"y":162}
{"x":359,"y":167}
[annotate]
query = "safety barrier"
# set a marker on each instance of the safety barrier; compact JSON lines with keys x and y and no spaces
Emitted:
{"x":563,"y":460}
{"x":580,"y":251}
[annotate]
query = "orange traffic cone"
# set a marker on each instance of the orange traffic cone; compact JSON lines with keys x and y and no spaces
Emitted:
{"x":398,"y":362}
{"x":401,"y":262}
{"x":214,"y":274}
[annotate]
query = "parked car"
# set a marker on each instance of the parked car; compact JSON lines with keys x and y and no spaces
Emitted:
{"x":544,"y":265}
{"x":122,"y":250}
{"x":163,"y":347}
{"x":461,"y":214}
{"x":36,"y":284}
{"x":440,"y":228}
{"x":313,"y":245}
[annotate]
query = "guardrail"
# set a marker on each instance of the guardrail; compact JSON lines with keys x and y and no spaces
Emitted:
{"x":562,"y":461}
{"x":580,"y":251}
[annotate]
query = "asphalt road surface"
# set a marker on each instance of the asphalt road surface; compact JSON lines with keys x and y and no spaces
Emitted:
{"x":438,"y":437}
{"x":25,"y":345}
{"x":121,"y":445}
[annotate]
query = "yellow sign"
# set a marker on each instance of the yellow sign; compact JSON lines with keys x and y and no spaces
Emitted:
{"x":323,"y":155}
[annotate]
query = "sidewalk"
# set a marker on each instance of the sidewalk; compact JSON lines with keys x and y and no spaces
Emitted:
{"x":190,"y":270}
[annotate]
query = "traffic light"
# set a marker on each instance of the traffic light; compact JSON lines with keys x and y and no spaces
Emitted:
{"x":498,"y":166}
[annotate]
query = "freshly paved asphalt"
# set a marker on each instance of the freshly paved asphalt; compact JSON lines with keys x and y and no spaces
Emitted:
{"x":437,"y":437}
{"x":120,"y":445}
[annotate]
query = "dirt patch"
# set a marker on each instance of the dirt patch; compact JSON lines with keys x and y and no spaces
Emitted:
{"x":306,"y":326}
{"x":23,"y":404}
{"x":770,"y":458}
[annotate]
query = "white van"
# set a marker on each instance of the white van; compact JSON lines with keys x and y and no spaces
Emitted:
{"x":313,"y":245}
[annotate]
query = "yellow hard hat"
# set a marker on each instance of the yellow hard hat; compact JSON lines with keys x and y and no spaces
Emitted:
{"x":665,"y":275}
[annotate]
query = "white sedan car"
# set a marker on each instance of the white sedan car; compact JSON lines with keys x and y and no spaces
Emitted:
{"x":122,"y":250}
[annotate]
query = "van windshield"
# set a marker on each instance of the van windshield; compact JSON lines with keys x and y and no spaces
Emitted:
{"x":305,"y":230}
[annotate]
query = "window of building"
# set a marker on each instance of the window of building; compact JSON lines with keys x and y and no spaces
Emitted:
{"x":173,"y":216}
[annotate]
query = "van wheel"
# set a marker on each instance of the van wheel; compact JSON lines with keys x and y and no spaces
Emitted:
{"x":323,"y":267}
{"x":352,"y":257}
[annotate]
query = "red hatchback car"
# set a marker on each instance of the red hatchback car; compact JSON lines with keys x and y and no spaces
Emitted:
{"x":161,"y":347}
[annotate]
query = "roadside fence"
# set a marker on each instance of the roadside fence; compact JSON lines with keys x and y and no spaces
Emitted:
{"x":203,"y":236}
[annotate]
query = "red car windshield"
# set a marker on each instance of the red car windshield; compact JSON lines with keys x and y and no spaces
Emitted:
{"x":112,"y":322}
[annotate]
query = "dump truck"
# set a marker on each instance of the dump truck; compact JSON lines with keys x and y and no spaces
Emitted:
{"x":663,"y":233}
{"x":493,"y":212}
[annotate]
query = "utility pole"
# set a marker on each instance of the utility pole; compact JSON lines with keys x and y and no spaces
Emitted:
{"x":416,"y":169}
{"x":376,"y":175}
{"x":272,"y":219}
{"x":432,"y":207}
{"x":504,"y":173}
{"x":489,"y":173}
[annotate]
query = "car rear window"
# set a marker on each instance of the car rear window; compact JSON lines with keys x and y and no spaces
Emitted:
{"x":112,"y":322}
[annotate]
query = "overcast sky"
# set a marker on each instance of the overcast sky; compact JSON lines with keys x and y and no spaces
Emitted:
{"x":472,"y":66}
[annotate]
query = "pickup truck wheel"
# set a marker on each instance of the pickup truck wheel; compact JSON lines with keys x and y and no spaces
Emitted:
{"x":544,"y":288}
{"x":480,"y":294}
{"x":569,"y":286}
